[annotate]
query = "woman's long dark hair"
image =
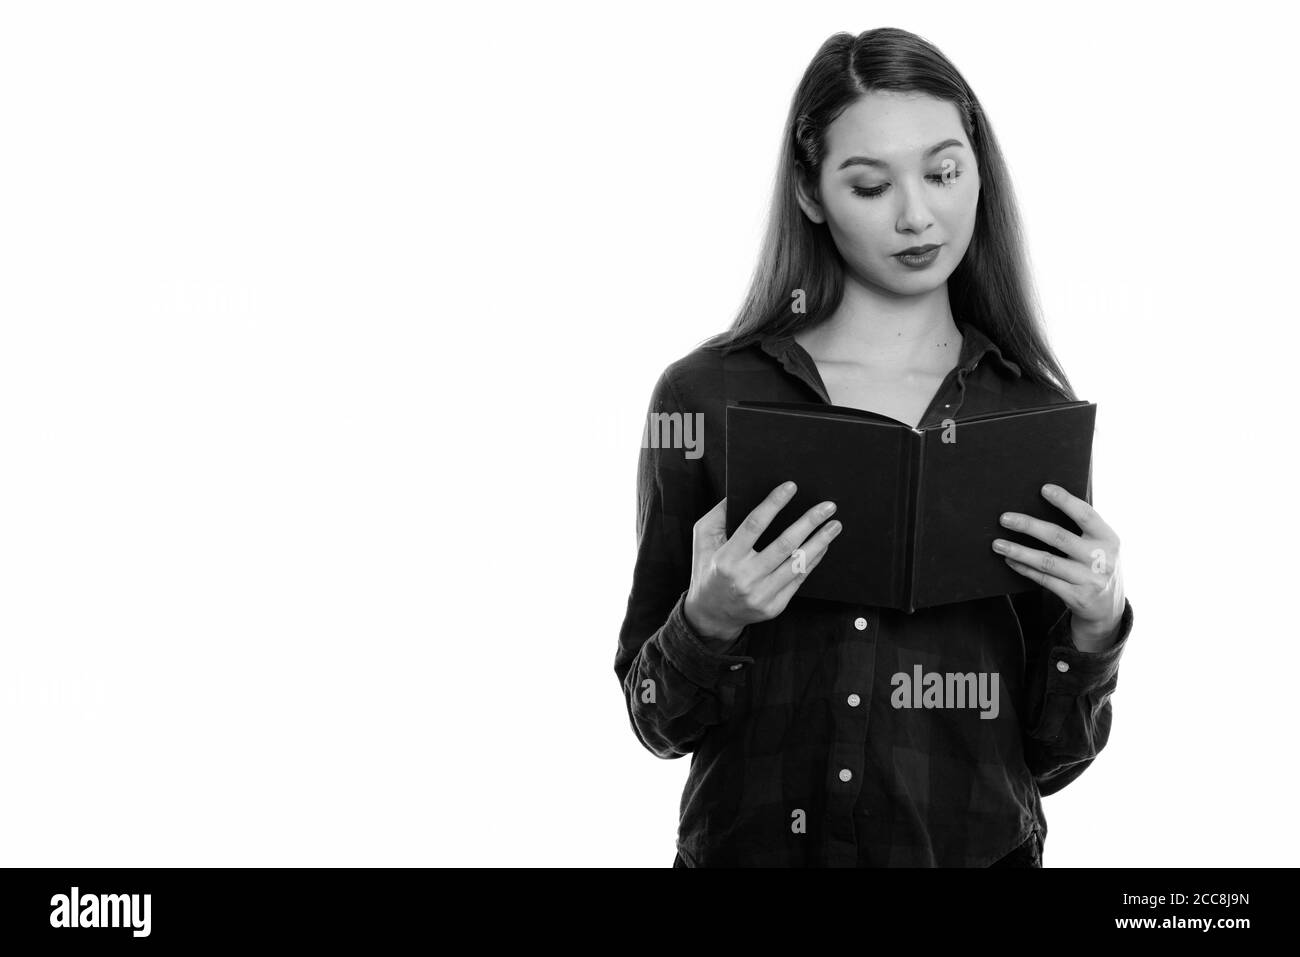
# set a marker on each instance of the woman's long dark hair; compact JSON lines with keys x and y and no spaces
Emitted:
{"x":990,"y":289}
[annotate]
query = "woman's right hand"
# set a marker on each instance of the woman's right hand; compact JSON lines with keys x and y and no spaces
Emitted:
{"x":731,"y":584}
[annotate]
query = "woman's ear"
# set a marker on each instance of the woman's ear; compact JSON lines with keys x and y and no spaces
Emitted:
{"x":808,"y":195}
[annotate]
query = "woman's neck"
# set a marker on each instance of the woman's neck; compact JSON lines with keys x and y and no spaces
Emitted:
{"x":869,"y":329}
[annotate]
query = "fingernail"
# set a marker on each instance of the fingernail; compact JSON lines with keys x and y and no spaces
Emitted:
{"x":834,"y":527}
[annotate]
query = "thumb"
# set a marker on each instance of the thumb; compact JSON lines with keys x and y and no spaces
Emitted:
{"x":716,"y":517}
{"x":711,"y":529}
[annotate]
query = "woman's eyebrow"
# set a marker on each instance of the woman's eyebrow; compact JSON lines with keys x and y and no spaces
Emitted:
{"x":868,"y":161}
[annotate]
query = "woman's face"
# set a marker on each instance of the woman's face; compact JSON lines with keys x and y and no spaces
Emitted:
{"x":899,"y":173}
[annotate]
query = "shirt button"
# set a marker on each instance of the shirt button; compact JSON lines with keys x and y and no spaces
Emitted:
{"x":1062,"y":666}
{"x":846,"y":775}
{"x":860,"y":624}
{"x":854,"y":701}
{"x":737,"y":667}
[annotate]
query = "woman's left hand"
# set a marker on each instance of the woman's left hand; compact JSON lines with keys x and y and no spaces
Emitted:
{"x":1088,"y":581}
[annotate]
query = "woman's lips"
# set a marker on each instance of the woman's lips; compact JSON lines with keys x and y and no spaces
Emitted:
{"x":919,"y":260}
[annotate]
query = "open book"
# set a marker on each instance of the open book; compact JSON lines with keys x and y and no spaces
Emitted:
{"x":920,"y":507}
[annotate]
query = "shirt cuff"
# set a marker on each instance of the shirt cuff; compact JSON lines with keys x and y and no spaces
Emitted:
{"x":1072,"y":671}
{"x":686,"y":650}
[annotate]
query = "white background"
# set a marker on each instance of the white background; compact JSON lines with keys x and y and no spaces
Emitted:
{"x":328,"y":333}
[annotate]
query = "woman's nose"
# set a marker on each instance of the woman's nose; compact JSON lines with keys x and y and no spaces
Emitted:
{"x":914,"y":216}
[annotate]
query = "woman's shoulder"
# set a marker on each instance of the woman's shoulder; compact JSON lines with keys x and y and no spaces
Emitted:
{"x":698,"y":372}
{"x":1035,"y":392}
{"x":993,"y":388}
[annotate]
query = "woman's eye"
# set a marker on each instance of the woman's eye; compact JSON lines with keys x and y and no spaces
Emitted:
{"x":943,"y":179}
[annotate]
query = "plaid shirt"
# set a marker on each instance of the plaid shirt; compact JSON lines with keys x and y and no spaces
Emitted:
{"x":798,"y":756}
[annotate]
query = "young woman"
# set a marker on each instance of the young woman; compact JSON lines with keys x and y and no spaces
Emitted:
{"x":892,"y":279}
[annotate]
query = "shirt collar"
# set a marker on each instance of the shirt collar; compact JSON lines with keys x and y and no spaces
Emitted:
{"x":974,"y":347}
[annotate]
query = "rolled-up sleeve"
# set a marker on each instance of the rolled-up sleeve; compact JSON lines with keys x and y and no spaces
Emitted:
{"x":676,"y":685}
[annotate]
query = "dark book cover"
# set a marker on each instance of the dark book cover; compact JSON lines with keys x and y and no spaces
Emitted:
{"x":919,"y":507}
